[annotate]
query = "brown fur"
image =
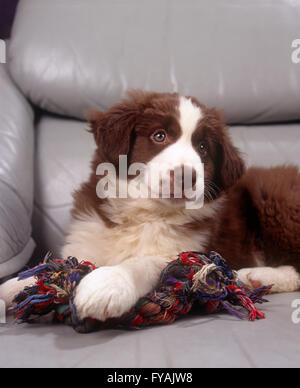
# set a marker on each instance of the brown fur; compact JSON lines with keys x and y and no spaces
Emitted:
{"x":261,"y":214}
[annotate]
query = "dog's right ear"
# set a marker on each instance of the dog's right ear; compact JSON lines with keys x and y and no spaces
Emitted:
{"x":94,"y":118}
{"x":113,"y":129}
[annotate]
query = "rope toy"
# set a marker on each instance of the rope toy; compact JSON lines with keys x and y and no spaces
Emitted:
{"x":193,"y":277}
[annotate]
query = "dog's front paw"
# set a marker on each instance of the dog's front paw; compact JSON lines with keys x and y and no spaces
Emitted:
{"x":107,"y":292}
{"x":283,"y":279}
{"x":251,"y":277}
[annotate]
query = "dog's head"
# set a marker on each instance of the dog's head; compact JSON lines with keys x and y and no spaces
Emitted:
{"x":173,"y":136}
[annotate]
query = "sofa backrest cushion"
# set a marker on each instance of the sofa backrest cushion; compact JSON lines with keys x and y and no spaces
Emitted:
{"x":69,"y":55}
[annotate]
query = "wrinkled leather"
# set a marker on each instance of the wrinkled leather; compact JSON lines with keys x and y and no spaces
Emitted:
{"x":71,"y":55}
{"x":16,"y":177}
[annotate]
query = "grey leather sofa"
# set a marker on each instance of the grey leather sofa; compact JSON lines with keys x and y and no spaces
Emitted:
{"x":68,"y":55}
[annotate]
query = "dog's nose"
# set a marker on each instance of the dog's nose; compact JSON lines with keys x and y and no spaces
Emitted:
{"x":183,"y":177}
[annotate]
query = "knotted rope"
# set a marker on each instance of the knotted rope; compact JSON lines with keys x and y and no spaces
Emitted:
{"x":193,"y":277}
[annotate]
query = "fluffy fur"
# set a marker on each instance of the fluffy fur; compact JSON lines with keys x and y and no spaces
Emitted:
{"x":252,"y":218}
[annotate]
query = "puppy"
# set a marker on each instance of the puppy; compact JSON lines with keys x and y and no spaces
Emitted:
{"x":252,"y":218}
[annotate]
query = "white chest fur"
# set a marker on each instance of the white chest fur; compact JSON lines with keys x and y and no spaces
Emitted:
{"x":142,"y":228}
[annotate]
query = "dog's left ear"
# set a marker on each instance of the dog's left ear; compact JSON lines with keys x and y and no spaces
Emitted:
{"x":231,"y":166}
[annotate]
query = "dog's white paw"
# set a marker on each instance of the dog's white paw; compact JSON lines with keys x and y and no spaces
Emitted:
{"x":107,"y":292}
{"x":10,"y":289}
{"x":250,"y":277}
{"x":284,"y":279}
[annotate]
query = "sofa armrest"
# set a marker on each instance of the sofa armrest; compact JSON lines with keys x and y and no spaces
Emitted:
{"x":16,"y":177}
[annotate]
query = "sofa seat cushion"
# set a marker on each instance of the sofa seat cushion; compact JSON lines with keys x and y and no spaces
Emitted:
{"x":196,"y":341}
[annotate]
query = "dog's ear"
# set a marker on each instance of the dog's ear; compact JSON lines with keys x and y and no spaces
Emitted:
{"x":94,"y":118}
{"x":230,"y":166}
{"x":113,"y":130}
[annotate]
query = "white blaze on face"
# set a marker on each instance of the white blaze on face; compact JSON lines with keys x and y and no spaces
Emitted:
{"x":182,"y":152}
{"x":190,"y":114}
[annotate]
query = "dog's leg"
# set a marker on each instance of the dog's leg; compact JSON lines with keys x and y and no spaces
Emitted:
{"x":109,"y":292}
{"x":284,"y":278}
{"x":12,"y":288}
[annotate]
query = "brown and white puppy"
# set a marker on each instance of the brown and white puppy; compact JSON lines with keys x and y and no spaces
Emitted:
{"x":252,"y":218}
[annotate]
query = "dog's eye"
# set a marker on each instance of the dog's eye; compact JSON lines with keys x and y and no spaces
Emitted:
{"x":159,"y":136}
{"x":203,"y":149}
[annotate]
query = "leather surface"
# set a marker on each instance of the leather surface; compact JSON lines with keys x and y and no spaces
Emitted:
{"x":69,"y":55}
{"x":64,"y":150}
{"x":16,"y":177}
{"x":196,"y":341}
{"x":268,"y":145}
